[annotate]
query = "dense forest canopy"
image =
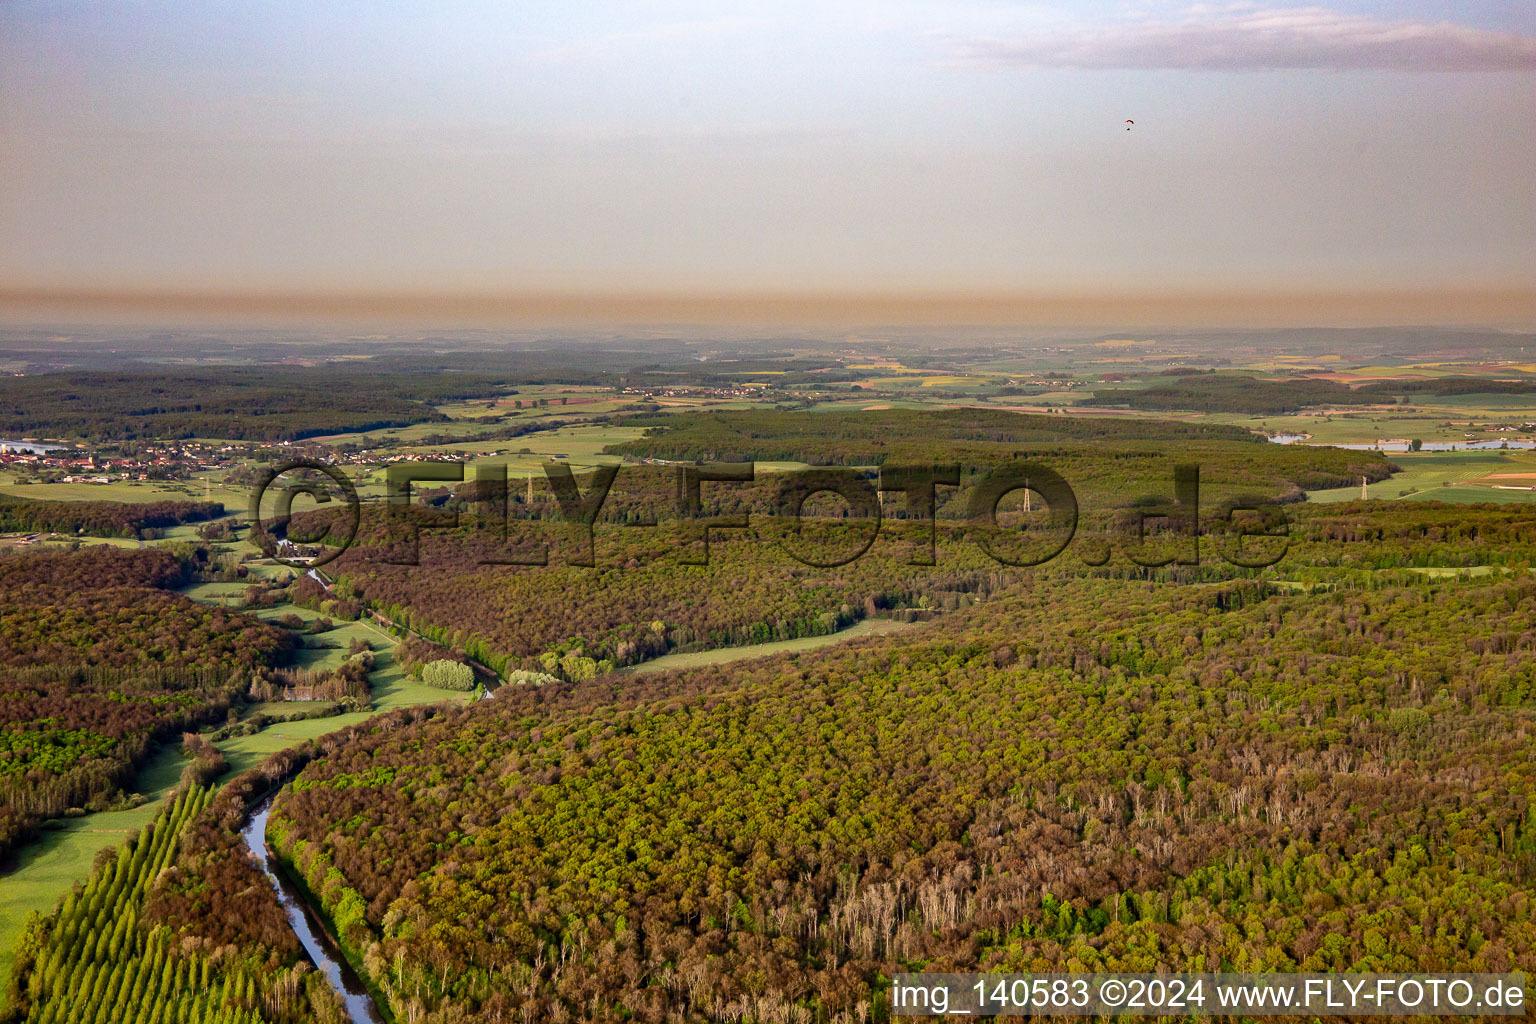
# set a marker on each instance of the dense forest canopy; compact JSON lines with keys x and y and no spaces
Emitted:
{"x":99,"y":663}
{"x":1450,"y":385}
{"x":1232,"y":394}
{"x":578,"y":621}
{"x":1113,"y":773}
{"x":284,"y":402}
{"x":866,"y":438}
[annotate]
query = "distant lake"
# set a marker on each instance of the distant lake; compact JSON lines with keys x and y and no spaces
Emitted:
{"x":30,"y":447}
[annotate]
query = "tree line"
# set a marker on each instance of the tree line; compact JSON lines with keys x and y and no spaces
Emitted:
{"x":101,"y":518}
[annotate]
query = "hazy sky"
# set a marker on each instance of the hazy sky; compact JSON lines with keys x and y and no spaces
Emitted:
{"x":631,"y":146}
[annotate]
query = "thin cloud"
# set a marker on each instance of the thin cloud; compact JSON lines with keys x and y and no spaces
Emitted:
{"x":1243,"y":38}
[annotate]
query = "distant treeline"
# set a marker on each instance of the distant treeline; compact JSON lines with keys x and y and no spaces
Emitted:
{"x":288,"y":403}
{"x":1251,"y":396}
{"x":251,"y":404}
{"x":867,"y":438}
{"x":101,"y":518}
{"x":1450,"y":386}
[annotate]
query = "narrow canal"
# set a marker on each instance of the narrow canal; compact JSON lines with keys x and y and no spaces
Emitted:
{"x":306,"y":925}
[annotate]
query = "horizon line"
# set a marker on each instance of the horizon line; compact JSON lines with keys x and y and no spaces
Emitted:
{"x":1506,"y":307}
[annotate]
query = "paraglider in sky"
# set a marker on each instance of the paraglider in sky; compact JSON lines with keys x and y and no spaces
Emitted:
{"x":1128,"y":123}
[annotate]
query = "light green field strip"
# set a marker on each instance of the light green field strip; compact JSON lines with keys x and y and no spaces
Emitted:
{"x":131,"y":491}
{"x":1460,"y":477}
{"x":726,"y":655}
{"x":578,"y":444}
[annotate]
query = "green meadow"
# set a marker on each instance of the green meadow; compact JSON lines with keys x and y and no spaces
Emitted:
{"x":726,"y":655}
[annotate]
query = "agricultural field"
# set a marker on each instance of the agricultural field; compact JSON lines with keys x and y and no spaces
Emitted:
{"x":133,"y":491}
{"x":579,"y":445}
{"x":1468,"y":476}
{"x":1357,"y":427}
{"x":524,"y":404}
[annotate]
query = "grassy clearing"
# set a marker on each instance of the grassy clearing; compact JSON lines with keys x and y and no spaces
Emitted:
{"x":927,"y":379}
{"x":231,"y":594}
{"x":865,"y":401}
{"x":184,"y":532}
{"x":405,"y":435}
{"x":726,"y":655}
{"x":1474,"y":495}
{"x":392,"y":689}
{"x":59,"y":540}
{"x":468,"y":420}
{"x":1459,"y":495}
{"x":1441,"y":573}
{"x":1358,"y":428}
{"x":131,"y":491}
{"x":1444,"y":418}
{"x":279,"y":707}
{"x":780,"y":467}
{"x":578,"y":445}
{"x":1446,"y":476}
{"x":562,"y":400}
{"x":201,"y":487}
